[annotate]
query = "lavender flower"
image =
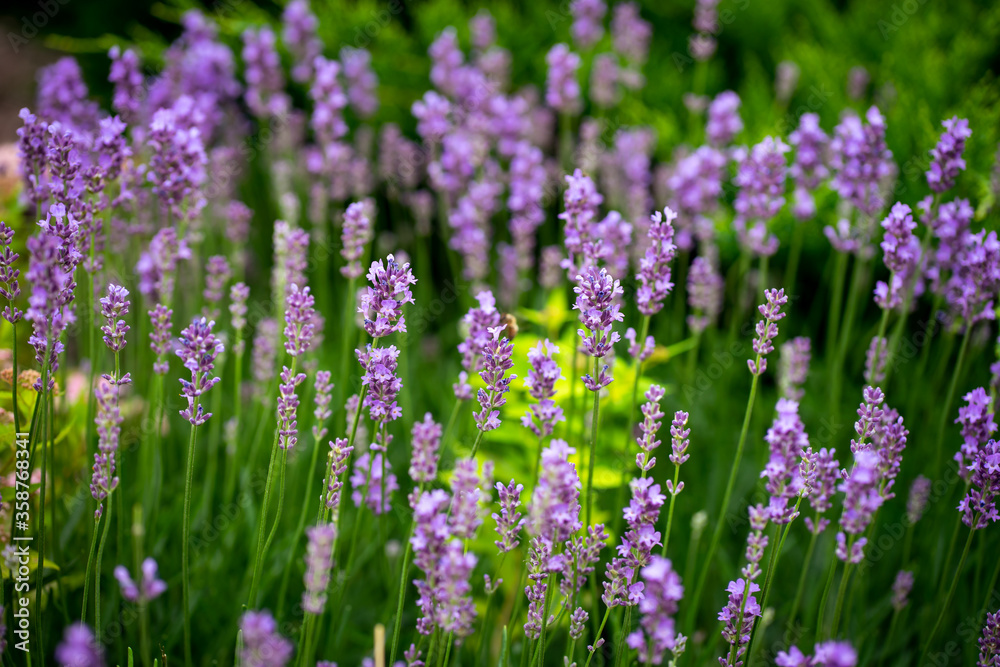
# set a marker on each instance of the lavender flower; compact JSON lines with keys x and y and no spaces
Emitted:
{"x":382,"y":305}
{"x":989,"y":643}
{"x":861,"y":161}
{"x":861,"y":500}
{"x":787,"y":441}
{"x":50,"y":304}
{"x":604,"y":79}
{"x":264,"y":357}
{"x":299,"y":321}
{"x":79,"y":648}
{"x":580,"y":201}
{"x":478,"y":322}
{"x":329,"y":100}
{"x":825,"y":477}
{"x":465,"y":514}
{"x":63,"y":97}
{"x":177,"y":164}
{"x":639,"y":350}
{"x":648,"y":428}
{"x":976,"y":277}
{"x":108,"y":420}
{"x":369,"y":484}
{"x":596,"y":292}
{"x":319,"y":561}
{"x":382,"y":382}
{"x":705,"y":287}
{"x":661,"y":593}
{"x":947,"y":160}
{"x":113,"y":306}
{"x":362,"y":83}
{"x":538,"y":565}
{"x":9,"y":288}
{"x":198,"y":349}
{"x":338,"y":456}
{"x":554,"y":513}
{"x":431,"y":112}
{"x":869,"y":416}
{"x":288,"y":405}
{"x":980,"y":500}
{"x":263,"y":646}
{"x":916,"y":502}
{"x":654,"y":267}
{"x":588,"y":22}
{"x":876,"y":359}
{"x":509,"y":521}
{"x":426,"y":436}
{"x":724,"y":121}
{"x":127,"y":78}
{"x":355,"y":235}
{"x":290,"y":248}
{"x":637,"y":543}
{"x":761,"y":179}
{"x":543,"y":374}
{"x":679,"y":445}
{"x":901,"y":588}
{"x":150,"y":588}
{"x":497,"y":361}
{"x":630,"y":34}
{"x":265,"y":81}
{"x":217,"y":273}
{"x":739,"y":617}
{"x":978,"y":427}
{"x":901,"y":255}
{"x":767,"y":329}
{"x":808,"y":168}
{"x":298,"y":34}
{"x":159,"y":336}
{"x":562,"y":90}
{"x":793,"y":367}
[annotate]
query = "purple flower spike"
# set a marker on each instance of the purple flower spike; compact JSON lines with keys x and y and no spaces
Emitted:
{"x":382,"y":305}
{"x":809,"y":168}
{"x":478,"y":321}
{"x":382,"y":382}
{"x":562,"y":90}
{"x":9,"y":288}
{"x":554,"y":513}
{"x":861,"y":161}
{"x":947,"y":161}
{"x":496,"y":362}
{"x":319,"y":561}
{"x":793,"y":367}
{"x":630,"y":34}
{"x":916,"y":502}
{"x":640,"y":350}
{"x":651,"y":419}
{"x":622,"y":587}
{"x":339,"y":453}
{"x":465,"y":514}
{"x":901,"y":254}
{"x":978,"y":427}
{"x":263,"y":646}
{"x":595,"y":299}
{"x":362,"y":82}
{"x":126,"y":75}
{"x":113,"y":306}
{"x":588,"y":22}
{"x":705,"y":287}
{"x":79,"y":648}
{"x":654,"y":267}
{"x":739,"y":625}
{"x":198,"y":349}
{"x":981,"y":499}
{"x":355,"y":235}
{"x":861,"y":500}
{"x":300,"y":319}
{"x":108,"y":420}
{"x":662,"y":591}
{"x":298,"y":33}
{"x":724,"y":121}
{"x":901,"y":588}
{"x":217,"y":273}
{"x":368,"y":471}
{"x":543,"y":374}
{"x":509,"y":521}
{"x":160,"y":337}
{"x":679,"y":445}
{"x":761,"y":179}
{"x":150,"y":588}
{"x":989,"y":643}
{"x":426,"y":436}
{"x":787,"y":442}
{"x":767,"y":329}
{"x":876,"y":359}
{"x":265,"y":95}
{"x":288,"y":405}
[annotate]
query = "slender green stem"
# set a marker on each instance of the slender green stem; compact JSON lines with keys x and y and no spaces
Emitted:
{"x":949,"y":397}
{"x":826,"y":595}
{"x":850,"y":314}
{"x":475,"y":445}
{"x":46,"y":452}
{"x":951,"y":549}
{"x":839,"y":605}
{"x":263,"y":523}
{"x":97,"y":573}
{"x":90,"y":568}
{"x":593,"y":442}
{"x":670,"y":512}
{"x":887,"y":646}
{"x":626,"y":628}
{"x":404,"y":572}
{"x":186,"y":538}
{"x":951,"y":592}
{"x":597,"y":637}
{"x":836,"y":300}
{"x":724,"y":507}
{"x":792,"y":268}
{"x":545,"y":620}
{"x":281,"y":505}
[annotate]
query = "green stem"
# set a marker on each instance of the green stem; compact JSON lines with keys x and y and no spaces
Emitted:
{"x":593,"y":443}
{"x":263,"y":523}
{"x":792,"y":268}
{"x":186,"y":538}
{"x":670,"y":512}
{"x":626,"y":628}
{"x":97,"y":573}
{"x":838,"y":606}
{"x":90,"y":566}
{"x":847,"y":331}
{"x":597,"y":637}
{"x":724,"y":507}
{"x":475,"y":445}
{"x":836,"y":300}
{"x":826,"y":595}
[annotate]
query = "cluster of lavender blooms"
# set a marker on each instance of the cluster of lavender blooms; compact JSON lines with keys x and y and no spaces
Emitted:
{"x":149,"y":175}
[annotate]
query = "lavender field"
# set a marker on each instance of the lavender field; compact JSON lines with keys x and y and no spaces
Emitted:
{"x":422,"y":334}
